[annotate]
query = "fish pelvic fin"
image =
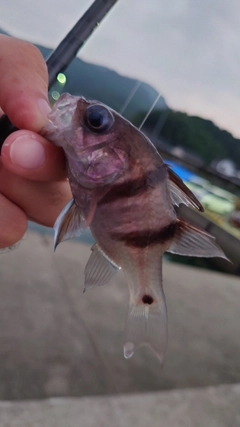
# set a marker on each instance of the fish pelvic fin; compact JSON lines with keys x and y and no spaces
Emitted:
{"x":192,"y":241}
{"x":147,"y":325}
{"x":99,"y":269}
{"x":180,"y":193}
{"x":69,"y":223}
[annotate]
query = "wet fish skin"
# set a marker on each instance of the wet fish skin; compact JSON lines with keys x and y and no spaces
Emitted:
{"x":124,"y":191}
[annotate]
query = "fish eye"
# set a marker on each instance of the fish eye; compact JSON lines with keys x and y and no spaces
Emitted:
{"x":98,"y":118}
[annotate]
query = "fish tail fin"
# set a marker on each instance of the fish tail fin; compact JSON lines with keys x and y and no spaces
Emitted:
{"x":147,"y":325}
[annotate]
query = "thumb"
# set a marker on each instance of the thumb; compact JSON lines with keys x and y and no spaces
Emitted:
{"x":23,"y":84}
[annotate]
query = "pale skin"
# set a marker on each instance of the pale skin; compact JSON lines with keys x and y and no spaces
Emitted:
{"x":33,"y":183}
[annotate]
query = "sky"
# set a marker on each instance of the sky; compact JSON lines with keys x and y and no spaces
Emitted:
{"x":188,"y":50}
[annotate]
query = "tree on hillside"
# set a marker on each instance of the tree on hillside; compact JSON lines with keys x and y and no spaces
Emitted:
{"x":194,"y":134}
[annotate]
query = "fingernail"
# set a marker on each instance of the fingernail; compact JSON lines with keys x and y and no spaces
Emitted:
{"x":27,"y":153}
{"x":44,"y":106}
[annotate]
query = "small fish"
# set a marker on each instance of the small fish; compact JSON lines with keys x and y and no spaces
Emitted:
{"x":126,"y":194}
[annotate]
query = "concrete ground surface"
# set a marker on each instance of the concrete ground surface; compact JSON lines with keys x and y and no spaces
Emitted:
{"x":56,"y":341}
{"x":210,"y":407}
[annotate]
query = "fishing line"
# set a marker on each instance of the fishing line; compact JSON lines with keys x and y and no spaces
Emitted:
{"x":130,"y":96}
{"x":149,"y":112}
{"x":160,"y":123}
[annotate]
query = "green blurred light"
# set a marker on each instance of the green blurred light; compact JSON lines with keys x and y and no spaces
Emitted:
{"x":55,"y":95}
{"x":61,"y":78}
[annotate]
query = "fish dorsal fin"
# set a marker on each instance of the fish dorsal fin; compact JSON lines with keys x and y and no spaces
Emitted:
{"x":99,"y":269}
{"x":192,"y":241}
{"x":180,"y":193}
{"x":69,"y":223}
{"x":147,"y":325}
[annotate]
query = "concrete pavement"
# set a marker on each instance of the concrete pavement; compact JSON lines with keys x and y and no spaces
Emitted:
{"x":61,"y":350}
{"x":208,"y":407}
{"x":57,"y":341}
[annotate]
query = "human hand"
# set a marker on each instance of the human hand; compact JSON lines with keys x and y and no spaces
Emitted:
{"x":33,"y":182}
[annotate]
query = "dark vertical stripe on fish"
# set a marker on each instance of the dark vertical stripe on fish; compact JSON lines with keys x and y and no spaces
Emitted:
{"x":142,"y":239}
{"x":135,"y":187}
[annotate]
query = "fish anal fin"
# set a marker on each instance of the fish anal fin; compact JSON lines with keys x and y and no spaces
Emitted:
{"x":180,"y":193}
{"x":68,"y":224}
{"x":99,"y":269}
{"x":192,"y":241}
{"x":146,"y":325}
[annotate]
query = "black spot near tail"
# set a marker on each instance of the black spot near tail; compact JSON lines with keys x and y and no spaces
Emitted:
{"x":147,"y":299}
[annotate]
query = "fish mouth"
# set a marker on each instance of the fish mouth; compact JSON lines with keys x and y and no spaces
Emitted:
{"x":67,"y":101}
{"x":60,"y":117}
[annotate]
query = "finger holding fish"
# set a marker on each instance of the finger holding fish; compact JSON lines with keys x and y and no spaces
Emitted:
{"x":29,"y":155}
{"x":13,"y":222}
{"x":23,"y":83}
{"x":27,"y":191}
{"x":33,"y":174}
{"x":40,"y":201}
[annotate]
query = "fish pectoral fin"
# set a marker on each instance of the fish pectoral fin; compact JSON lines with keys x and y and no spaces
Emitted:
{"x":69,"y":223}
{"x":99,"y":268}
{"x":146,"y":325}
{"x":192,"y":241}
{"x":180,"y":193}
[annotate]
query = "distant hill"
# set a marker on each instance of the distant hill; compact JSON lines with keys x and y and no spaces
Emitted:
{"x":194,"y":134}
{"x":105,"y":85}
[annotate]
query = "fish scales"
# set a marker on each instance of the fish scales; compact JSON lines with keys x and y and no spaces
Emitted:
{"x":126,"y":194}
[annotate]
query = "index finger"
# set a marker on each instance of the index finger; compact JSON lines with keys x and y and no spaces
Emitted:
{"x":23,"y":84}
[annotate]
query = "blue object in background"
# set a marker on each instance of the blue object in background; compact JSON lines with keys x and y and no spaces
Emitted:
{"x":184,"y":173}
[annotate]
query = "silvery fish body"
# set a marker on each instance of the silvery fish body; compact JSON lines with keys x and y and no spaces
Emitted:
{"x":126,"y":194}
